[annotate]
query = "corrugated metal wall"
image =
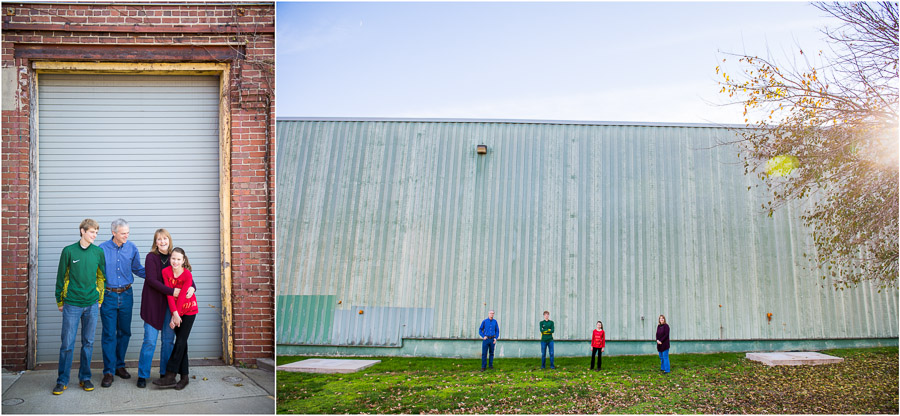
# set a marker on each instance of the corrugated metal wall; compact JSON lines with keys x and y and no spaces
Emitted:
{"x":618,"y":223}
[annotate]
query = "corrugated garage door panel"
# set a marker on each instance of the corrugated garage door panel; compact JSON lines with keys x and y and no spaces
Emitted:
{"x":144,"y":148}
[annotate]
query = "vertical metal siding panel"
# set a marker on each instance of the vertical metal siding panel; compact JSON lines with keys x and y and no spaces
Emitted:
{"x":573,"y":302}
{"x":311,"y":211}
{"x":626,"y":233}
{"x":498,"y":156}
{"x":612,"y":225}
{"x":344,"y":209}
{"x":610,"y":214}
{"x":749,"y":212}
{"x":521,"y":292}
{"x":481,"y":300}
{"x":640,"y":149}
{"x":516,"y":236}
{"x":451,"y":219}
{"x":495,"y":261}
{"x":657,"y":282}
{"x":461,"y":295}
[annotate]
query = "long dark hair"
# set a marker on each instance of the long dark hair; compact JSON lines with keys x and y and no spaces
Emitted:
{"x":187,"y":264}
{"x":601,"y":324}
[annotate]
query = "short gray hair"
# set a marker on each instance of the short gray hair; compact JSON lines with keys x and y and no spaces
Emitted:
{"x":118,"y":223}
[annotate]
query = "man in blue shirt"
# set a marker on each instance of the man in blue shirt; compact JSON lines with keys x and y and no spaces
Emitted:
{"x":122,"y":261}
{"x":489,"y":331}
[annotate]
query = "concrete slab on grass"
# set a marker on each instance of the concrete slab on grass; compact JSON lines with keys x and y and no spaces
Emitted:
{"x":793,"y":358}
{"x":318,"y":365}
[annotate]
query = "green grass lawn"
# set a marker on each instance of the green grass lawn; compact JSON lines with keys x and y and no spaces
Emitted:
{"x":866,"y":382}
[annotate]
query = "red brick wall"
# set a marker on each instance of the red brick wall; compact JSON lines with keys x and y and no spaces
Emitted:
{"x":248,"y":31}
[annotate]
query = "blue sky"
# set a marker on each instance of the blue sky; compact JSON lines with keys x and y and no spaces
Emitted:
{"x":605,"y":61}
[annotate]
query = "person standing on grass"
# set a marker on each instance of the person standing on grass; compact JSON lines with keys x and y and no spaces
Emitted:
{"x":489,"y":331}
{"x":79,"y":292}
{"x":184,"y":311}
{"x":123,"y":261}
{"x":662,"y":344}
{"x":546,"y":340}
{"x":598,"y":345}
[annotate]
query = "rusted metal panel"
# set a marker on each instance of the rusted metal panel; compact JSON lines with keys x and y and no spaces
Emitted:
{"x":611,"y":222}
{"x":144,"y":53}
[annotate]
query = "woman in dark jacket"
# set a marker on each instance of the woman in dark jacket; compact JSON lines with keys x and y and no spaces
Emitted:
{"x":662,"y":344}
{"x":155,"y":309}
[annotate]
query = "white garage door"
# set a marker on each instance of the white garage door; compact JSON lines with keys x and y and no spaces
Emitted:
{"x":139,"y":147}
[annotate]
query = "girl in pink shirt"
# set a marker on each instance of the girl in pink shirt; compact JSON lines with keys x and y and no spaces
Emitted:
{"x":598,"y":345}
{"x":184,"y":310}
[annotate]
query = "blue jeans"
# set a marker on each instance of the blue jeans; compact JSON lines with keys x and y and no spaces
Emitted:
{"x":487,"y":345}
{"x":664,"y":361}
{"x":148,"y":347}
{"x":544,"y":345}
{"x":71,"y":316}
{"x":115,"y":313}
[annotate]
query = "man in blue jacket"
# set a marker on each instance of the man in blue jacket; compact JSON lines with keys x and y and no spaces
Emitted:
{"x":489,"y":331}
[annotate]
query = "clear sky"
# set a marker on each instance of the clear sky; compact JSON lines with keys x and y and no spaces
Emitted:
{"x":605,"y":61}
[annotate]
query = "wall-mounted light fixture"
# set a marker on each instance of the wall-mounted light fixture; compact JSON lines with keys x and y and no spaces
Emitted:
{"x":481,"y":149}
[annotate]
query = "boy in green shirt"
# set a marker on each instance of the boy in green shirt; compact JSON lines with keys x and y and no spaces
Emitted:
{"x":79,"y":292}
{"x":546,"y":340}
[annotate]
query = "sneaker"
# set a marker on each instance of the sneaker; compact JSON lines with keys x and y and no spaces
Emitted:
{"x":142,"y":382}
{"x":491,"y":368}
{"x":482,"y":368}
{"x":59,"y":389}
{"x":86,"y":385}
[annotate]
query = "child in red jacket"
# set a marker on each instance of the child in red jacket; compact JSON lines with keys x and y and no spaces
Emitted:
{"x":598,"y":345}
{"x":184,"y":311}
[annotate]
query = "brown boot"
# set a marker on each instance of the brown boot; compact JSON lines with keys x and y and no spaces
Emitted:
{"x":166,"y":381}
{"x":183,"y":382}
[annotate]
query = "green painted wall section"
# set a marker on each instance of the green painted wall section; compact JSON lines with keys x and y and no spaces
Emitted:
{"x":305,"y":319}
{"x":525,"y":349}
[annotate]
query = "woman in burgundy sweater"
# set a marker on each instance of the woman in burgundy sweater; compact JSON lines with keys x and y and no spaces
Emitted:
{"x":184,"y":311}
{"x":154,"y":309}
{"x":598,"y":345}
{"x":662,"y":344}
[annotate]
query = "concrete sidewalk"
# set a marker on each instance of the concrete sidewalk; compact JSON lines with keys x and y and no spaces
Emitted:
{"x":216,"y":389}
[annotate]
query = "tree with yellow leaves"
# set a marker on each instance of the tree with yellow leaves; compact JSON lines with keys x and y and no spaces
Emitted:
{"x":824,"y":129}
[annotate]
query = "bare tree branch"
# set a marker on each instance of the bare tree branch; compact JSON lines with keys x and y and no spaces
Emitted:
{"x":839,"y":121}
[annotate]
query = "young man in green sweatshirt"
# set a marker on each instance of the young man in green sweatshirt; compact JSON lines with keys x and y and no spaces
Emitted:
{"x":80,"y":282}
{"x":546,"y":340}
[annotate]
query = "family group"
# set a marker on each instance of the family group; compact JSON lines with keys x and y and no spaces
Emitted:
{"x":94,"y":281}
{"x":490,"y":333}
